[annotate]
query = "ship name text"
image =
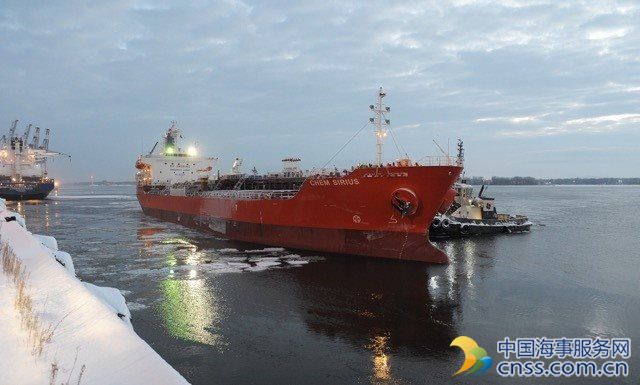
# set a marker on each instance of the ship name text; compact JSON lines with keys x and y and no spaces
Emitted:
{"x":334,"y":182}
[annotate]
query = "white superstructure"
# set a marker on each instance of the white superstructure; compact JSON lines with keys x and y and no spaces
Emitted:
{"x":172,"y":164}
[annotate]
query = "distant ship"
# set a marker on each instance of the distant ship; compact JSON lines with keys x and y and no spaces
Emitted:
{"x":23,"y":165}
{"x":374,"y":210}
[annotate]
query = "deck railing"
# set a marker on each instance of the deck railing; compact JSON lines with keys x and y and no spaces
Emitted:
{"x":246,"y":194}
{"x":438,"y":161}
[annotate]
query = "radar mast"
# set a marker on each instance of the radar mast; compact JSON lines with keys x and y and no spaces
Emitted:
{"x":380,"y":122}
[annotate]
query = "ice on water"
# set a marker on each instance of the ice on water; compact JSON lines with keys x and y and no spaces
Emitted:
{"x":181,"y":252}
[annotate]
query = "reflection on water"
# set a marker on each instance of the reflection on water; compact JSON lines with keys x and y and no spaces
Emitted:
{"x":467,"y":263}
{"x":387,"y":309}
{"x":47,"y":220}
{"x":185,"y":253}
{"x":392,"y":310}
{"x":39,"y":210}
{"x":190,"y":311}
{"x":381,"y":369}
{"x":190,"y":308}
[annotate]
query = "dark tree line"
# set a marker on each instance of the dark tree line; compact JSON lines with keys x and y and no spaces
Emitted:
{"x":529,"y":181}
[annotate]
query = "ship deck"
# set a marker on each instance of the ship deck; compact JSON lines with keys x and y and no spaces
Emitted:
{"x":242,"y":186}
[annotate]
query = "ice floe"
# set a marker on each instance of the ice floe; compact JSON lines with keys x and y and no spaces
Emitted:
{"x":135,"y":306}
{"x":266,"y":250}
{"x":298,"y":262}
{"x":180,"y":252}
{"x":268,"y":263}
{"x":228,"y":251}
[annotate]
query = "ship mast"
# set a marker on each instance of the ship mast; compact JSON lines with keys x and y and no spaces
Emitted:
{"x":460,"y":160}
{"x":171,"y":139}
{"x":380,"y":122}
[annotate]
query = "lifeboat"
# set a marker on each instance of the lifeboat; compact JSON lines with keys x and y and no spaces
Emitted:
{"x":140,"y":165}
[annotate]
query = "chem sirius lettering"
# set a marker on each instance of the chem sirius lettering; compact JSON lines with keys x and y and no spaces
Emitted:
{"x":334,"y":182}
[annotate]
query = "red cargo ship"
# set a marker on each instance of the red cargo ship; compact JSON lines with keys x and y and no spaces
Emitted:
{"x":373,"y":210}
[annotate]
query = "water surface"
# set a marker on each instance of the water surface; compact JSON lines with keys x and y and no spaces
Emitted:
{"x":225,"y":312}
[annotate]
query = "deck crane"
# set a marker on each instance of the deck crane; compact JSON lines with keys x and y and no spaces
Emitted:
{"x":36,"y":139}
{"x":27,"y":131}
{"x":12,"y":131}
{"x":45,"y":142}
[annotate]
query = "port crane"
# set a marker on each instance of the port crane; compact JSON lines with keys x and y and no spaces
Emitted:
{"x":20,"y":157}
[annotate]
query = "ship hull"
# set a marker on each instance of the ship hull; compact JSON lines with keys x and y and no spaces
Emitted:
{"x":34,"y":191}
{"x":352,"y":215}
{"x":380,"y":244}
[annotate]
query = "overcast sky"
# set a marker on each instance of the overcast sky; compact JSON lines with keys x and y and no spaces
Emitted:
{"x":537,"y":88}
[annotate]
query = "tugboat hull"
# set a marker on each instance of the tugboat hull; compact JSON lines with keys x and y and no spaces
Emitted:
{"x":21,"y":192}
{"x":449,"y":227}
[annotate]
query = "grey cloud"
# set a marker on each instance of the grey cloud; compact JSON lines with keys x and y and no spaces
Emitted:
{"x":295,"y":78}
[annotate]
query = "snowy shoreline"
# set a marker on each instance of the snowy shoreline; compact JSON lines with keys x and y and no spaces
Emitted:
{"x":55,"y":328}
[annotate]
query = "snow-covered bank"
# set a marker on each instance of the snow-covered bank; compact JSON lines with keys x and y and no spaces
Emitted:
{"x":56,"y":329}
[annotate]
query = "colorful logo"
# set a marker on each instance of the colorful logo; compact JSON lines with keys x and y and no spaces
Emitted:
{"x":476,"y":359}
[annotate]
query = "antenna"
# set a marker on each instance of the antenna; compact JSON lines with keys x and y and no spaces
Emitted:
{"x":154,"y":147}
{"x":381,"y":122}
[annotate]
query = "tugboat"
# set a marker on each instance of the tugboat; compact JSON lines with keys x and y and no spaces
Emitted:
{"x":23,"y":165}
{"x":468,"y":215}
